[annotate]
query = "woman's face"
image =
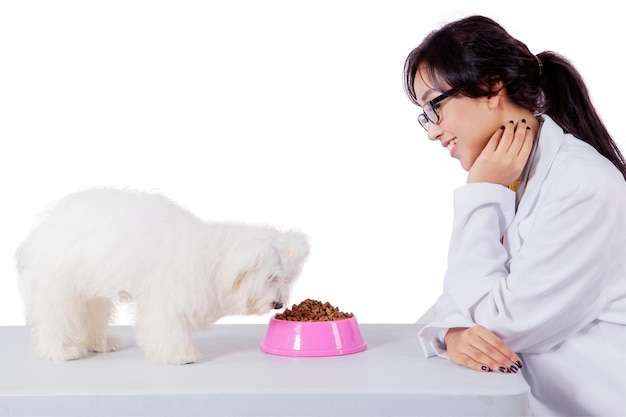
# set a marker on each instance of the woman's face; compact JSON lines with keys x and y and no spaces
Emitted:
{"x":465,"y":124}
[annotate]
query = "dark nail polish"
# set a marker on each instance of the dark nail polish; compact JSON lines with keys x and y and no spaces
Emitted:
{"x":523,"y":120}
{"x":502,"y":127}
{"x":501,"y":369}
{"x":527,"y":127}
{"x":519,"y":364}
{"x":513,"y":369}
{"x":484,"y":368}
{"x":512,"y":122}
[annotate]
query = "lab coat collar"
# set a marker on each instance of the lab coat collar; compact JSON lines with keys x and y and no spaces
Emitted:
{"x":550,"y":139}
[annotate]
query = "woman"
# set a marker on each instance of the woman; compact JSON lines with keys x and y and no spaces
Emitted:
{"x":540,"y":271}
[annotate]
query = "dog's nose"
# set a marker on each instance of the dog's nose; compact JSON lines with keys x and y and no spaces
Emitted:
{"x":277,"y":305}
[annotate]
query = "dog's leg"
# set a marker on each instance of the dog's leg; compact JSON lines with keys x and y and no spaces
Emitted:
{"x":98,"y":313}
{"x":58,"y":331}
{"x":163,"y":334}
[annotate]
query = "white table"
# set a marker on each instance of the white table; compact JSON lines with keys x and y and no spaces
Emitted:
{"x":390,"y":378}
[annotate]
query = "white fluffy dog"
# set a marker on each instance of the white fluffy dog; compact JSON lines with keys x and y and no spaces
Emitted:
{"x":99,"y":247}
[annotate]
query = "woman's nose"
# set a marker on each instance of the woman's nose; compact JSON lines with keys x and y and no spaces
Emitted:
{"x":434,"y":131}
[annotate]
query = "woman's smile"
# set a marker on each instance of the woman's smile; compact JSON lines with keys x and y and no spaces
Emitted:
{"x":451,"y":145}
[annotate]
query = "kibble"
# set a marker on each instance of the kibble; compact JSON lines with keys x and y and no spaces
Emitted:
{"x":313,"y":310}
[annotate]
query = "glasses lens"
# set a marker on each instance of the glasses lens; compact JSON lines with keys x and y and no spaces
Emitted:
{"x":423,"y":121}
{"x":430,"y":113}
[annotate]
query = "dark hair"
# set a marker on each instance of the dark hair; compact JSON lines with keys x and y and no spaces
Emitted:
{"x":473,"y":55}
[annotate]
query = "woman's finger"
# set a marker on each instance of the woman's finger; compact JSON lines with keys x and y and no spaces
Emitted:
{"x":463,"y":353}
{"x":518,"y":137}
{"x":527,"y":144}
{"x":494,"y":140}
{"x":521,"y":138}
{"x":477,"y":348}
{"x":508,"y":131}
{"x":495,"y":348}
{"x":473,"y":360}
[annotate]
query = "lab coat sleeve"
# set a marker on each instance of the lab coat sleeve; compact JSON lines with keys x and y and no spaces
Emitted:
{"x":486,"y":200}
{"x":553,"y":286}
{"x":447,"y":316}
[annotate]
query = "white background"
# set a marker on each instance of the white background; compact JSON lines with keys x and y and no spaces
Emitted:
{"x":290,"y":113}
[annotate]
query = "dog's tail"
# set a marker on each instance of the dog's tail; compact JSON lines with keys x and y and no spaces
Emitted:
{"x":24,"y":281}
{"x":23,"y":284}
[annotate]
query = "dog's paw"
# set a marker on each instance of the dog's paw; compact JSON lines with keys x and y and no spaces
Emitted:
{"x":104,"y":344}
{"x":184,"y":356}
{"x":61,"y":354}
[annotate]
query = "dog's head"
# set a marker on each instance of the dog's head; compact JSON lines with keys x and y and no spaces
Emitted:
{"x":263,"y":265}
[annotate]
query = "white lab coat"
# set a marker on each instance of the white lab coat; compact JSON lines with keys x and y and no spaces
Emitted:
{"x":555,"y":291}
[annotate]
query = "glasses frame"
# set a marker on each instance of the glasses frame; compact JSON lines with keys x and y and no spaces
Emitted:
{"x":430,"y":113}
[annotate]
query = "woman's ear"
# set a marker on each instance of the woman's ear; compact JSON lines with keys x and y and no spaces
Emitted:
{"x":496,"y":94}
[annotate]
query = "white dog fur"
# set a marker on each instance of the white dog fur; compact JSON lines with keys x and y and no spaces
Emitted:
{"x":98,"y":247}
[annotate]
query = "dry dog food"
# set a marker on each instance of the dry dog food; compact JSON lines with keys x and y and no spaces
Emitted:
{"x":313,"y":310}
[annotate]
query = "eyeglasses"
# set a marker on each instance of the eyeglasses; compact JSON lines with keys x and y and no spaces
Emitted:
{"x":431,"y":115}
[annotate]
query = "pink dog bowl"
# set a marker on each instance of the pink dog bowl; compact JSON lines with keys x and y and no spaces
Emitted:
{"x":313,"y":338}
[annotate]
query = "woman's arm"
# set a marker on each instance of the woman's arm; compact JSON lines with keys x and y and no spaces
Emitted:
{"x":555,"y":283}
{"x":454,"y":336}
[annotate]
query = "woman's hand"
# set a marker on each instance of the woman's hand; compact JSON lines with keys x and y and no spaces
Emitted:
{"x":505,"y":155}
{"x":478,"y":348}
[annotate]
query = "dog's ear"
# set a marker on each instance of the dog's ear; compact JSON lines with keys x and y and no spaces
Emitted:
{"x":293,"y":249}
{"x":239,"y":280}
{"x":284,"y":254}
{"x":251,"y":268}
{"x":262,"y":259}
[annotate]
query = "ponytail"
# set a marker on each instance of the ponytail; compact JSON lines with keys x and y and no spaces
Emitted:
{"x":567,"y":101}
